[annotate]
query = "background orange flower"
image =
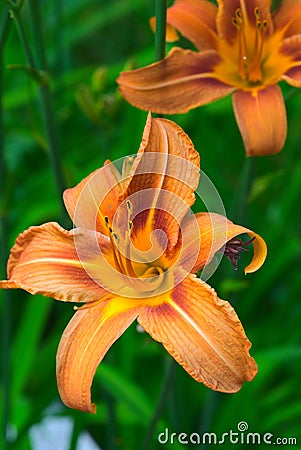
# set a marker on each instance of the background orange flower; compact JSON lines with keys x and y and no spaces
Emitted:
{"x":243,"y":49}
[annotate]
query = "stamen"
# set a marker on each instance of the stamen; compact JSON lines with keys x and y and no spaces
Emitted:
{"x":128,"y":262}
{"x":121,"y":251}
{"x":237,"y":20}
{"x":129,"y":206}
{"x":256,"y":12}
{"x":235,"y":23}
{"x":238,"y":16}
{"x":233,"y":248}
{"x":115,"y":237}
{"x":129,"y":265}
{"x":250,"y":56}
{"x":114,"y":242}
{"x":255,"y":73}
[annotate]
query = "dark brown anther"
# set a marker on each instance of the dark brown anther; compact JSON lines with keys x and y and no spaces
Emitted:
{"x":115,"y":236}
{"x":233,"y":248}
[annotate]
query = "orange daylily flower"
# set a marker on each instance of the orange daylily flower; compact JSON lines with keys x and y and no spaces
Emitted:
{"x":244,"y":49}
{"x":132,"y":255}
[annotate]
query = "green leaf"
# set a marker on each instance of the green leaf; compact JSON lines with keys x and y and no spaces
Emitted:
{"x":125,"y":392}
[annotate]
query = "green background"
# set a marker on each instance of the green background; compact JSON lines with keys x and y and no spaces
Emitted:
{"x":87,"y":44}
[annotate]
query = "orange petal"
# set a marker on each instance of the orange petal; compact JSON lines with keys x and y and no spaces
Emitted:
{"x":44,"y":261}
{"x":287,"y":17}
{"x":95,"y":197}
{"x":180,"y":82}
{"x":85,"y":341}
{"x":166,"y":160}
{"x":227,"y":11}
{"x":292,"y":47}
{"x":195,"y":19}
{"x":261,"y":118}
{"x":162,"y":180}
{"x":203,"y":334}
{"x":214,"y":231}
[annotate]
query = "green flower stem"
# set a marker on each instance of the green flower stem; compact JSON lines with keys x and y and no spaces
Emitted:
{"x":15,"y":5}
{"x":6,"y":317}
{"x":169,"y":371}
{"x":15,"y":12}
{"x":50,"y":127}
{"x":45,"y":93}
{"x":239,"y":210}
{"x":276,"y":4}
{"x":37,"y":33}
{"x":160,"y":36}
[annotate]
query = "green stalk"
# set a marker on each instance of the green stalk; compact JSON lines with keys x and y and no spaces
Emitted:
{"x":6,"y":318}
{"x":45,"y":93}
{"x":238,"y":210}
{"x":169,"y":371}
{"x":46,"y":103}
{"x":160,"y":36}
{"x":22,"y":34}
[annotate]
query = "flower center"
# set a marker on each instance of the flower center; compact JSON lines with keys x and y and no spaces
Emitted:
{"x":121,"y":252}
{"x":250,"y":45}
{"x":122,"y":259}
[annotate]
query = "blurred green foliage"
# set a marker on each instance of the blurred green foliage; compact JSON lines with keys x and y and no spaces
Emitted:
{"x":88,"y":43}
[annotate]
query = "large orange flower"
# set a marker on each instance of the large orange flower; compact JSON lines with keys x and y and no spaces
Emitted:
{"x":131,"y":256}
{"x":243,"y":49}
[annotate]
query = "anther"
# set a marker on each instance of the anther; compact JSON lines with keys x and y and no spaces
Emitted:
{"x":238,"y":15}
{"x":106,"y":221}
{"x":233,"y":248}
{"x":115,"y":237}
{"x":129,"y":206}
{"x":234,"y":21}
